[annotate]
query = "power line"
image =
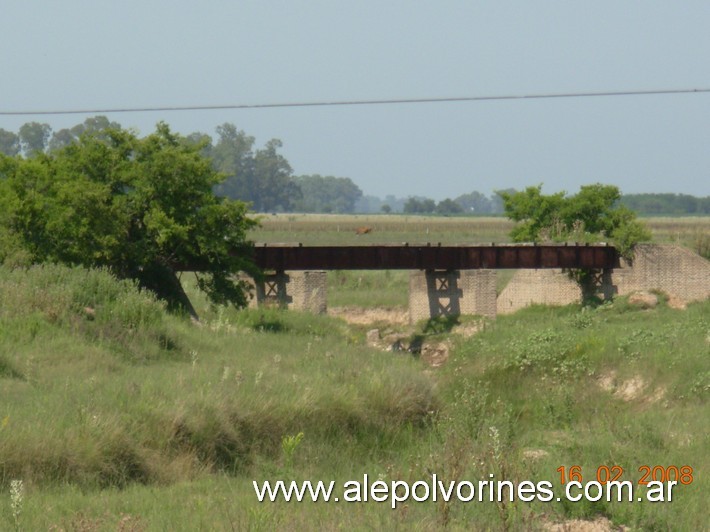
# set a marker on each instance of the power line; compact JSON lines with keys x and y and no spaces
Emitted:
{"x":337,"y":103}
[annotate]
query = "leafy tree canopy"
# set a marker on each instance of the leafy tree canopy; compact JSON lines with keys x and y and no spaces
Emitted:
{"x":326,"y":194}
{"x":143,"y":207}
{"x":416,"y":205}
{"x":593,"y":214}
{"x":9,"y":143}
{"x":448,"y":206}
{"x":96,"y":125}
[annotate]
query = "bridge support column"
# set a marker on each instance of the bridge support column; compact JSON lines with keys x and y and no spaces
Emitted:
{"x":434,"y":293}
{"x":298,"y":290}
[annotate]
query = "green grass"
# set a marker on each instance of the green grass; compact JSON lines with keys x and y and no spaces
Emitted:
{"x":368,"y":289}
{"x":380,"y":289}
{"x":127,"y":418}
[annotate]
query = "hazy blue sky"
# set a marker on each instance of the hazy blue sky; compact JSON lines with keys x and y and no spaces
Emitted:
{"x":73,"y":54}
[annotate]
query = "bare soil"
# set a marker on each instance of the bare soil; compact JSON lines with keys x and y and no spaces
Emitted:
{"x":367,"y":316}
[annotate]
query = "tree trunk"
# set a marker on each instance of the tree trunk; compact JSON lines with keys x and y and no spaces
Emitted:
{"x":164,"y":282}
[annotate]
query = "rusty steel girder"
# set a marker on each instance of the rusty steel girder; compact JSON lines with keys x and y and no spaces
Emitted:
{"x":433,"y":257}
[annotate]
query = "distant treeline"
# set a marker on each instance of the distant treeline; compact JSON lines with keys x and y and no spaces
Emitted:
{"x":474,"y":203}
{"x":264,"y":177}
{"x":260,"y":176}
{"x":667,"y":204}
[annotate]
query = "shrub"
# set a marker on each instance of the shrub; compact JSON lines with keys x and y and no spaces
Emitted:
{"x":91,"y":302}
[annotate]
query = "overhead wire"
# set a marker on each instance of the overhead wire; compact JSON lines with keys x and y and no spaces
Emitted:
{"x":338,"y":103}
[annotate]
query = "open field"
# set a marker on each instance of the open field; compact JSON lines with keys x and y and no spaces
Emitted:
{"x":336,"y":229}
{"x":326,"y":229}
{"x":118,"y":416}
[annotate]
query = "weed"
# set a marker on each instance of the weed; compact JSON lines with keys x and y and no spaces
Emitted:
{"x":17,"y":493}
{"x":550,"y":353}
{"x":582,"y":320}
{"x":701,"y":385}
{"x":440,"y":324}
{"x":260,"y":518}
{"x":289,"y":444}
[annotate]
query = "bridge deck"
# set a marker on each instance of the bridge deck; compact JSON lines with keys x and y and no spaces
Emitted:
{"x":433,"y":257}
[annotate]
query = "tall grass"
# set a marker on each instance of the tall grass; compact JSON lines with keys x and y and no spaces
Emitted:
{"x":692,"y":232}
{"x":126,"y":393}
{"x":128,"y":418}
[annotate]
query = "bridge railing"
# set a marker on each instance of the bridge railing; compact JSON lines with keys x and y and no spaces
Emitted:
{"x":433,"y":257}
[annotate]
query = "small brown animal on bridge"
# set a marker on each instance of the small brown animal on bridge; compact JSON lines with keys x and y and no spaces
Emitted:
{"x":363,"y":230}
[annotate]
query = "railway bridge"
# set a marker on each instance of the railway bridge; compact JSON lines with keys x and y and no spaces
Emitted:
{"x":444,"y":280}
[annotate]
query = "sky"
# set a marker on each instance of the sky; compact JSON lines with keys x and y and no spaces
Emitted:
{"x":102,"y":54}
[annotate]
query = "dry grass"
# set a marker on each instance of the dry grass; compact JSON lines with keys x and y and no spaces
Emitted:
{"x":335,"y":229}
{"x":692,"y":232}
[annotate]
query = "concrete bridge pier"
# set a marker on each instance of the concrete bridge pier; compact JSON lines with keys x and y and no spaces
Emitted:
{"x":434,"y":293}
{"x":299,"y":290}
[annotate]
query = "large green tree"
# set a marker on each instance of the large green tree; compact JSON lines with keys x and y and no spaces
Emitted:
{"x":593,"y":214}
{"x":143,"y":207}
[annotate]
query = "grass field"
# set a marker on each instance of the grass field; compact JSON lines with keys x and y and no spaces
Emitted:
{"x":118,"y":416}
{"x":324,"y":229}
